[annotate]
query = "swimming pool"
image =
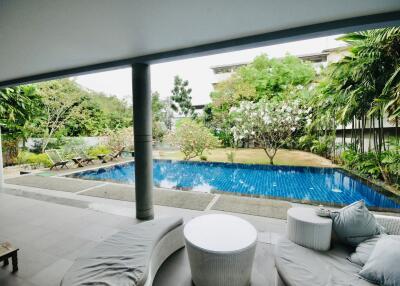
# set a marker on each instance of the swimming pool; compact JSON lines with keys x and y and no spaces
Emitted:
{"x":329,"y":186}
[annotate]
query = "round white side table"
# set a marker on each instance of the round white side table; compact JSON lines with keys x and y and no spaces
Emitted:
{"x":306,"y":228}
{"x":221,"y":250}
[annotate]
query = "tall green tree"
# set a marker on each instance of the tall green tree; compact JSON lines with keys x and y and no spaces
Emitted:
{"x":62,"y":99}
{"x":181,"y":99}
{"x":192,"y":138}
{"x":160,"y":117}
{"x":18,"y":106}
{"x":263,"y":78}
{"x":118,"y":113}
{"x":362,"y":88}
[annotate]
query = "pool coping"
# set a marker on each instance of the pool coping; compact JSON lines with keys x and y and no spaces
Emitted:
{"x":365,"y":181}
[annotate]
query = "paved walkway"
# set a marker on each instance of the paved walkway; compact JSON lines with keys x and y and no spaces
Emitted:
{"x":163,"y":197}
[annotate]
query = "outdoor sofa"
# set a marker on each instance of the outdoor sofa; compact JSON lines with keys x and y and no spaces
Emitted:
{"x":129,"y":257}
{"x":297,"y":265}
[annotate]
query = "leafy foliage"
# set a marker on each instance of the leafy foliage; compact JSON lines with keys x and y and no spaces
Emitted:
{"x":118,"y":139}
{"x":73,"y":111}
{"x":262,"y":79}
{"x":34,"y":160}
{"x":181,"y":99}
{"x":384,"y":166}
{"x":99,"y":150}
{"x":162,"y":117}
{"x":18,"y":105}
{"x":363,"y":86}
{"x":62,"y":100}
{"x":268,"y":123}
{"x":192,"y":138}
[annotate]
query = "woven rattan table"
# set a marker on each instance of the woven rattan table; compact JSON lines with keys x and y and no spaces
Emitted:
{"x":306,"y":228}
{"x":221,"y":250}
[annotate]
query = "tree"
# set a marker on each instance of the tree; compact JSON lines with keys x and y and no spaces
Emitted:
{"x":362,"y":88}
{"x":271,"y":77}
{"x":269,"y":123}
{"x":160,"y":117}
{"x":90,"y":121}
{"x":192,"y":138}
{"x":18,"y":106}
{"x":121,"y":138}
{"x":117,"y":112}
{"x":181,"y":99}
{"x":62,"y":99}
{"x":264,"y":78}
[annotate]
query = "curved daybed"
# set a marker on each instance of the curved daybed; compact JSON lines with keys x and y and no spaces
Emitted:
{"x":297,"y":265}
{"x":130,"y":257}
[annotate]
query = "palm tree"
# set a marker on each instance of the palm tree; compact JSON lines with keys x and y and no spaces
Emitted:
{"x":366,"y":84}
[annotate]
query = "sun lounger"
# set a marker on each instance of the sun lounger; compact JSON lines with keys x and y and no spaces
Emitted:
{"x":85,"y":158}
{"x":116,"y":154}
{"x":78,"y":161}
{"x":56,"y":159}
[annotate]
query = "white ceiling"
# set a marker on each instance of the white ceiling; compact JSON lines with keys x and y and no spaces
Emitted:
{"x":44,"y":36}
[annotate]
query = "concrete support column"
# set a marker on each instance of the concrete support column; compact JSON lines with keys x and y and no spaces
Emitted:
{"x":143,"y":141}
{"x":1,"y":165}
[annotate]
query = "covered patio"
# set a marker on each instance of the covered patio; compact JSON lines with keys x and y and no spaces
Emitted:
{"x":68,"y":38}
{"x":146,"y":33}
{"x":52,"y":229}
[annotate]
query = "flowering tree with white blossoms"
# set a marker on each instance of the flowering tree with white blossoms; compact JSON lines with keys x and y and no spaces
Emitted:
{"x":268,"y":123}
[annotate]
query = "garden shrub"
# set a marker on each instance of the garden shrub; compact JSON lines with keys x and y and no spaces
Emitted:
{"x":384,"y":166}
{"x":118,"y":139}
{"x":322,"y":146}
{"x":306,"y":142}
{"x":230,"y":156}
{"x":192,"y":138}
{"x":35,"y":160}
{"x":369,"y":164}
{"x":98,"y":150}
{"x":203,"y":158}
{"x":391,"y":166}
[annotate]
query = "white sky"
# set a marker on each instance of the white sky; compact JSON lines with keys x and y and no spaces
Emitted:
{"x":196,"y":70}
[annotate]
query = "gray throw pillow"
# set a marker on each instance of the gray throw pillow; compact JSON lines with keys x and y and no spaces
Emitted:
{"x":382,"y":266}
{"x":364,"y":250}
{"x":354,"y":223}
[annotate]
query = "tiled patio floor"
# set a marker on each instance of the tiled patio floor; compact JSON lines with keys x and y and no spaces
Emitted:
{"x":52,"y":230}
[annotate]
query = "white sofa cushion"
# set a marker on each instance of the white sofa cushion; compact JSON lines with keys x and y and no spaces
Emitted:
{"x":383,"y":265}
{"x":364,"y":250}
{"x":299,"y":266}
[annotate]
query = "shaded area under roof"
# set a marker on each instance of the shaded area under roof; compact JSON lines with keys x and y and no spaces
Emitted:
{"x":44,"y":39}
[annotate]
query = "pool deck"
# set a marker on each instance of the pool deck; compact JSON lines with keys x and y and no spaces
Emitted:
{"x":53,"y":219}
{"x":56,"y":182}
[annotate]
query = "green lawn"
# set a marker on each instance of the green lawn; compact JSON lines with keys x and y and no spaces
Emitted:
{"x":255,"y":156}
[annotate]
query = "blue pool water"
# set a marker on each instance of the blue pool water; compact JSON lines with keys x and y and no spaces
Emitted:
{"x":316,"y":185}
